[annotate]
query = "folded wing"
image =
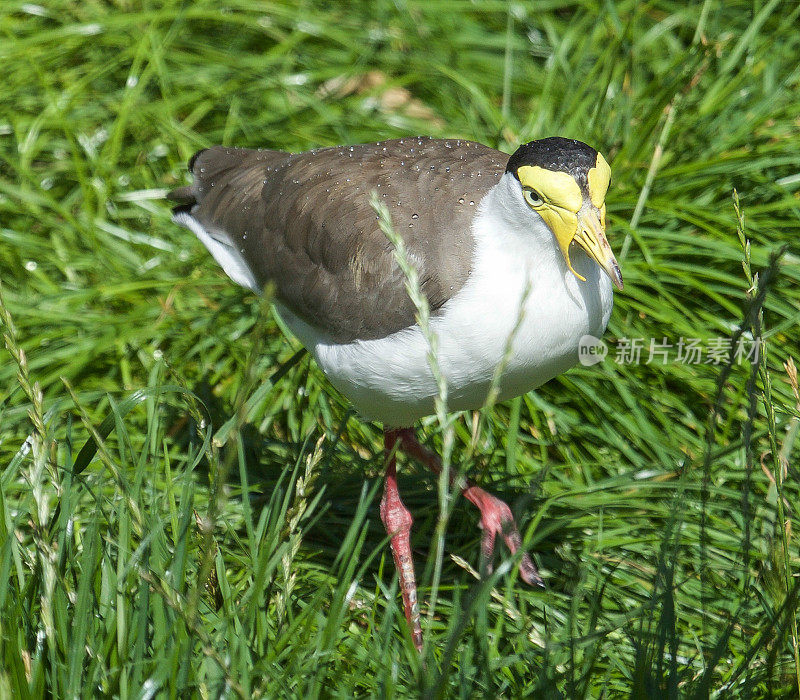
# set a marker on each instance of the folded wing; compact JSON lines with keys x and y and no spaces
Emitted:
{"x":304,"y":222}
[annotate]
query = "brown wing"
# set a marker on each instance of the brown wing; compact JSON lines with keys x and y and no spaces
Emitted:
{"x":304,"y":222}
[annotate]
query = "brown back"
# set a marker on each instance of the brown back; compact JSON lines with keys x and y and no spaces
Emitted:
{"x":304,"y":222}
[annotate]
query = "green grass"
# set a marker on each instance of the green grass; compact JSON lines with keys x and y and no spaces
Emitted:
{"x":140,"y":555}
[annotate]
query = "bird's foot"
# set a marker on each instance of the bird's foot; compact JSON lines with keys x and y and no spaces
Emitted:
{"x":496,"y":519}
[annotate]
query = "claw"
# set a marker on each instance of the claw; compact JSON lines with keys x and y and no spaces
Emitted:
{"x":496,"y":519}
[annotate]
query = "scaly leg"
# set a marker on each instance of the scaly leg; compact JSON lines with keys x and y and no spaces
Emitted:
{"x":496,"y":516}
{"x":397,"y":521}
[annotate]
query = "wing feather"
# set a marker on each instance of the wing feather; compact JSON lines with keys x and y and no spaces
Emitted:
{"x":304,"y":222}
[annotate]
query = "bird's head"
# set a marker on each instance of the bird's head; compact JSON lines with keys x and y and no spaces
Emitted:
{"x":564,"y":182}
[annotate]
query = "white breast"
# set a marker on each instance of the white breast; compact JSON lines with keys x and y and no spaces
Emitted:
{"x":518,"y":277}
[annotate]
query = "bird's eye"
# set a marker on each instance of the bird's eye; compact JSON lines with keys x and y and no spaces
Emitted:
{"x":533,"y":198}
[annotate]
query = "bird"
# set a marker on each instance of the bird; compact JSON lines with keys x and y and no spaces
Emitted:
{"x":510,"y":254}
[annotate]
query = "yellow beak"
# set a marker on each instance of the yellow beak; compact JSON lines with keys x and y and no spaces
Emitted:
{"x":591,"y":236}
{"x":585,"y":228}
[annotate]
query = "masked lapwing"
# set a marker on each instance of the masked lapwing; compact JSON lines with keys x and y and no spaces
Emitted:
{"x":511,"y":256}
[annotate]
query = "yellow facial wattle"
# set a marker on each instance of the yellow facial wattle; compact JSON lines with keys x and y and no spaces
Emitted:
{"x":557,"y":188}
{"x":559,"y":201}
{"x":599,"y":178}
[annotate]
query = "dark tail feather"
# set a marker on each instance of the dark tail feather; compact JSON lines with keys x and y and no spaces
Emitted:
{"x":182,"y":195}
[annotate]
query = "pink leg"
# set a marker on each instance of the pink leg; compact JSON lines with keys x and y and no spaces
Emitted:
{"x":496,"y":517}
{"x":397,"y":521}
